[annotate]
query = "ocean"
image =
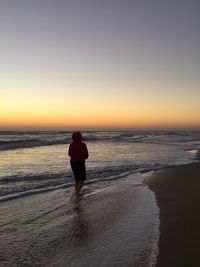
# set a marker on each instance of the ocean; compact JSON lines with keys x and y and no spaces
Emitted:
{"x":33,"y":164}
{"x":38,"y":161}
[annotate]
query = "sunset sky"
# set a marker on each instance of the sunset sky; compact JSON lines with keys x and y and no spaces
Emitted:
{"x":99,"y":63}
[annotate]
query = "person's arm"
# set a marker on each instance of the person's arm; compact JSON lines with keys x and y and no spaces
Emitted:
{"x":86,"y":154}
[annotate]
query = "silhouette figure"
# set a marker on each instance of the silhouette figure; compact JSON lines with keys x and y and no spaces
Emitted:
{"x":78,"y":153}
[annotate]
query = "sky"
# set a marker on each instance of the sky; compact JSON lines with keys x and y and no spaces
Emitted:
{"x":99,"y":64}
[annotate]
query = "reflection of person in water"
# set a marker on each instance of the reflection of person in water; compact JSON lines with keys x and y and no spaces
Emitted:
{"x":79,"y":223}
{"x":78,"y":153}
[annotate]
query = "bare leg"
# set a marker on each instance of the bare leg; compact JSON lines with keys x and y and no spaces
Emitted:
{"x":76,"y":186}
{"x":80,"y":184}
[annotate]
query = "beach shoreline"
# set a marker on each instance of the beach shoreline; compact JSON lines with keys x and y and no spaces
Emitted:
{"x":114,"y":223}
{"x":177,"y":195}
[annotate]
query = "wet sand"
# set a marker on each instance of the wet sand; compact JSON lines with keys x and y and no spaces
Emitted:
{"x":177,"y":191}
{"x":114,"y":223}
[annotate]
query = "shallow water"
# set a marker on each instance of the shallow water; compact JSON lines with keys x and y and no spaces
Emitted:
{"x":112,"y":224}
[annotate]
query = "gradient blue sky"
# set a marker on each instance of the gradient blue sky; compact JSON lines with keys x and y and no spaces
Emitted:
{"x":103,"y":63}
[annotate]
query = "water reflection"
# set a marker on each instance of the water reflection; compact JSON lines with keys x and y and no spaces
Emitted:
{"x":80,"y":222}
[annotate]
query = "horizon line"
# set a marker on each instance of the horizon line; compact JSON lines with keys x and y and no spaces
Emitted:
{"x":70,"y":129}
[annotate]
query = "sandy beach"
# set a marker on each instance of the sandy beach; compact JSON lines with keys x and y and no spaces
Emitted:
{"x":177,"y":194}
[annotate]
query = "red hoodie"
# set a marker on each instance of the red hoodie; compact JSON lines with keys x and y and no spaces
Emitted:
{"x":78,"y":150}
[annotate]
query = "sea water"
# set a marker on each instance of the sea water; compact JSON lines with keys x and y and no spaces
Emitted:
{"x":38,"y":162}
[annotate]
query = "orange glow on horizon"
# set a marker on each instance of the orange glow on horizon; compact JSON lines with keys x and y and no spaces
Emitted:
{"x":95,"y":121}
{"x":44,"y":112}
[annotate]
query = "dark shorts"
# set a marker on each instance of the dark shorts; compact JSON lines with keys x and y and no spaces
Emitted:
{"x":79,"y":170}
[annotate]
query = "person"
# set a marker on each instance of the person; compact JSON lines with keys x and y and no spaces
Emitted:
{"x":78,"y":153}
